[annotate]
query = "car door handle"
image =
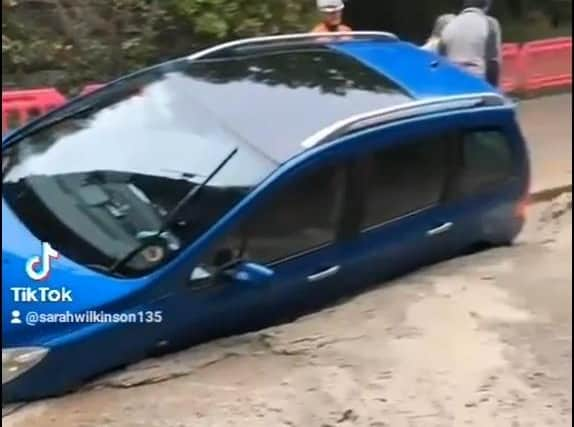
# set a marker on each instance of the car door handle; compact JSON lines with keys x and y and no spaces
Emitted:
{"x":440,"y":229}
{"x":324,"y":274}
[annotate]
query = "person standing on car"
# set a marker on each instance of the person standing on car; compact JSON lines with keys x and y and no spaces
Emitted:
{"x":332,"y":13}
{"x":473,"y":40}
{"x":441,"y":22}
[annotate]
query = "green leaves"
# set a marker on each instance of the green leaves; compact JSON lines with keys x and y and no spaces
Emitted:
{"x":211,"y":24}
{"x":98,"y":40}
{"x":224,"y":19}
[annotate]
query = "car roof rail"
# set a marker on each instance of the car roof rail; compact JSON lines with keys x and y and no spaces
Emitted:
{"x":347,"y":36}
{"x":402,"y":111}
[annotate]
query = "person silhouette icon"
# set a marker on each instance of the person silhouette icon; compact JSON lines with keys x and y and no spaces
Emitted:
{"x":16,"y":318}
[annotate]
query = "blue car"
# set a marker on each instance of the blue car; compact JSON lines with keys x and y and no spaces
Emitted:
{"x":239,"y":187}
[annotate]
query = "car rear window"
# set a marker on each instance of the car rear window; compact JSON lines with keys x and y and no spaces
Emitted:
{"x":487,"y":161}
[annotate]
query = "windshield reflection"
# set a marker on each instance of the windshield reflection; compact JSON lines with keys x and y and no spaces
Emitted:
{"x":161,"y":132}
{"x":100,"y":185}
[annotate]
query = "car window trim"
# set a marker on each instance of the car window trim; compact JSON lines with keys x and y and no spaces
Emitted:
{"x":452,"y":164}
{"x":356,"y":199}
{"x":374,"y":227}
{"x":301,"y":254}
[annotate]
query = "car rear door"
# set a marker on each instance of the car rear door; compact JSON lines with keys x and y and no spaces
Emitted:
{"x":403,"y":179}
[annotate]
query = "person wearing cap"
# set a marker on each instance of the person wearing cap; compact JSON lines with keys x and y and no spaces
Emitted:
{"x":332,"y":11}
{"x":441,"y":22}
{"x":473,"y":40}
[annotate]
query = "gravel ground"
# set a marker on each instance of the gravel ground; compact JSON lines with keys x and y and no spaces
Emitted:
{"x":484,"y":340}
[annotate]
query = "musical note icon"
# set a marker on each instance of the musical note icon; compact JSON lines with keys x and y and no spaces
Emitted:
{"x":38,"y":267}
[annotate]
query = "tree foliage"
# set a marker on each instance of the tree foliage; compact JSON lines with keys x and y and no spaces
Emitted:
{"x":70,"y":42}
{"x":86,"y":38}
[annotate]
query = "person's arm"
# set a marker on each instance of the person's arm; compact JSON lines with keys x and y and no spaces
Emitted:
{"x":493,"y":58}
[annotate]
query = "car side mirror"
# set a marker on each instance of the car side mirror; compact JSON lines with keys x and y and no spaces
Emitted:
{"x":223,"y":261}
{"x":250,"y":273}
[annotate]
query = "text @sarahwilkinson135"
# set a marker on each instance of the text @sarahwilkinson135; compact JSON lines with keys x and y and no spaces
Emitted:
{"x":33,"y":318}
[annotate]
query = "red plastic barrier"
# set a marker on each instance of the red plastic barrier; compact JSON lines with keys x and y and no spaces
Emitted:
{"x":20,"y":106}
{"x":546,"y":64}
{"x":511,"y":67}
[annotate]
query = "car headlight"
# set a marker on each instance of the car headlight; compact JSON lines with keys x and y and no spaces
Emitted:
{"x":16,"y":361}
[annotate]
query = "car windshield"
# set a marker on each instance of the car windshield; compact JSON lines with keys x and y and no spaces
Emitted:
{"x":98,"y":177}
{"x":98,"y":184}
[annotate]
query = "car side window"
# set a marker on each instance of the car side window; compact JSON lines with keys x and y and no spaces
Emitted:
{"x":405,"y":178}
{"x":486,"y":161}
{"x":301,"y":216}
{"x":305,"y":214}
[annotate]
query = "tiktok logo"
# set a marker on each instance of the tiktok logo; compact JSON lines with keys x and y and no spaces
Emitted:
{"x":38,"y":267}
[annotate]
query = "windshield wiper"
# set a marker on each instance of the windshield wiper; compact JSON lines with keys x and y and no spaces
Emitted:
{"x":172,"y":215}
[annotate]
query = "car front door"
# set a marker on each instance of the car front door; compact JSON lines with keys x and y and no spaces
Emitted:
{"x":300,"y":233}
{"x":297,"y":231}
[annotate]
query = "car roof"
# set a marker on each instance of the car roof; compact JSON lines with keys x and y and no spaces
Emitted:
{"x":411,"y":76}
{"x":421,"y":73}
{"x":277,"y":93}
{"x":275,"y":97}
